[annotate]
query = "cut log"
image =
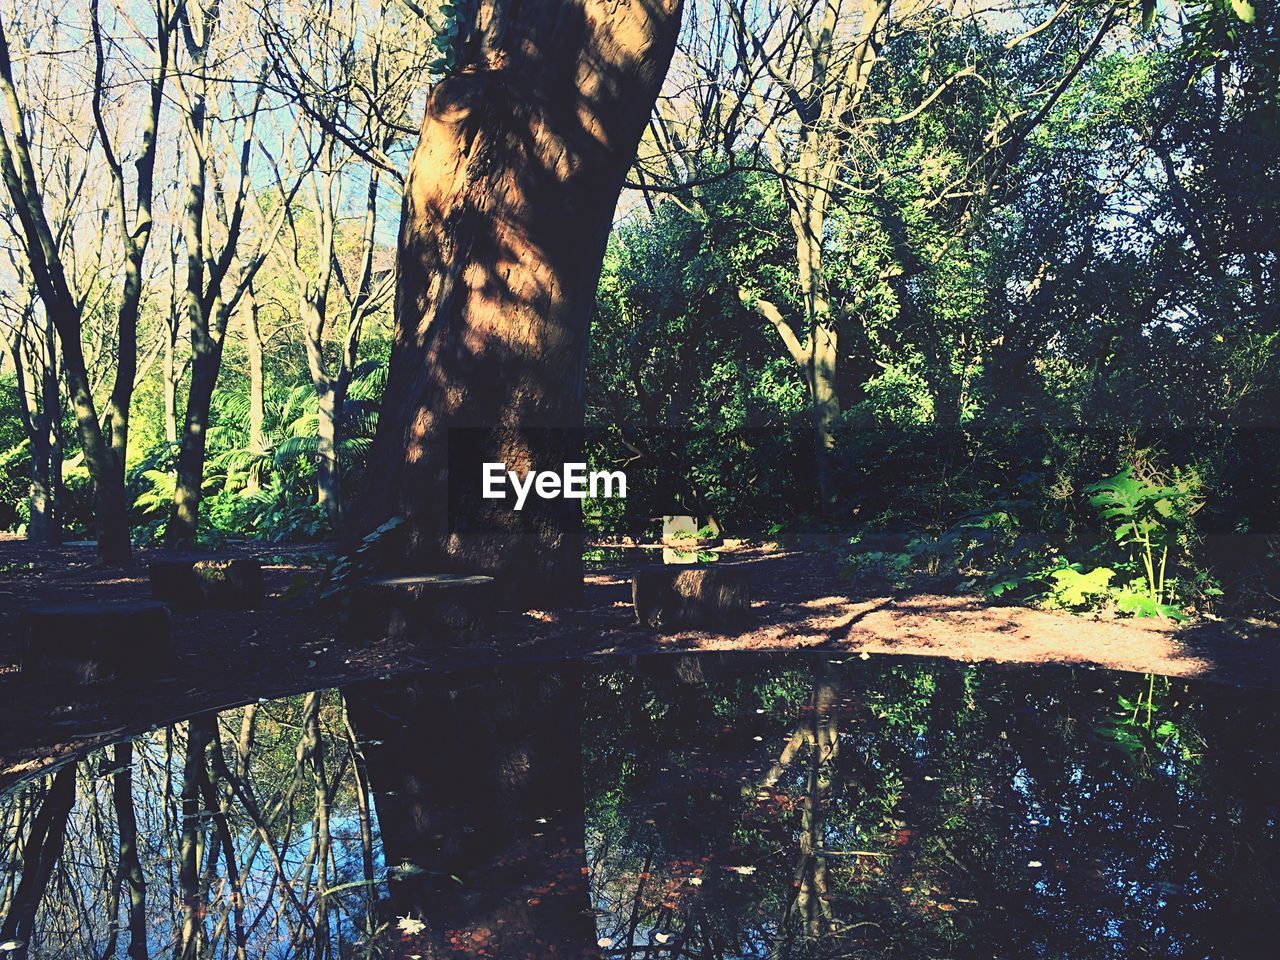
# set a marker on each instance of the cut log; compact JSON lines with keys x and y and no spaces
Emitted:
{"x":85,"y":643}
{"x":437,"y":608}
{"x":205,"y":582}
{"x":713,"y":596}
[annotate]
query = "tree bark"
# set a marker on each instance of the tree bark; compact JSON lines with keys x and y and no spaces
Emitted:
{"x":257,"y":384}
{"x":328,"y":486}
{"x":170,"y":387}
{"x":507,"y":209}
{"x":189,"y":484}
{"x":35,"y":373}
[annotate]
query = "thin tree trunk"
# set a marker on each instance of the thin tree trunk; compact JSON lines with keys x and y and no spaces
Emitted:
{"x":507,"y":209}
{"x":52,"y":427}
{"x":40,"y":418}
{"x":36,"y":383}
{"x":188,"y":487}
{"x":257,"y":400}
{"x":328,"y":480}
{"x":171,"y":387}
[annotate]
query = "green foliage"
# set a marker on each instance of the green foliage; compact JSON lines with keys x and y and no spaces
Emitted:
{"x":350,"y":569}
{"x":267,"y":492}
{"x":1012,"y":327}
{"x":1148,"y":518}
{"x":1073,"y":587}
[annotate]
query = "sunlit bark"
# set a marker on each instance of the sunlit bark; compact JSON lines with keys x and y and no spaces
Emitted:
{"x":507,"y":208}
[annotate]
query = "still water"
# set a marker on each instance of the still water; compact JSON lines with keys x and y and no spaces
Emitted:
{"x":715,"y":806}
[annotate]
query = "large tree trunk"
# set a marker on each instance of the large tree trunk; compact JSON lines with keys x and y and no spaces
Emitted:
{"x":826,"y":411}
{"x":507,"y":209}
{"x":808,"y":220}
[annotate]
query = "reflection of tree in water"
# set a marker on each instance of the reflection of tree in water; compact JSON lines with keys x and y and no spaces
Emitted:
{"x":958,"y":811}
{"x":478,"y":780}
{"x":246,"y":834}
{"x":734,"y":807}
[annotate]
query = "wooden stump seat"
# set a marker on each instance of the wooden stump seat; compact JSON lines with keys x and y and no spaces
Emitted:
{"x":84,"y":643}
{"x":443,"y":607}
{"x":707,"y":595}
{"x":207,"y":582}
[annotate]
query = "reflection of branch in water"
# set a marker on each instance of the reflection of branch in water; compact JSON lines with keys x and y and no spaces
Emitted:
{"x":243,"y":791}
{"x":818,"y":737}
{"x":366,"y":819}
{"x":169,"y":852}
{"x":219,"y":813}
{"x":130,"y":875}
{"x":38,"y":856}
{"x":191,"y":932}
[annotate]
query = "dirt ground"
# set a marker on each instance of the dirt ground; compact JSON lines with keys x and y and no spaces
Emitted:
{"x":291,"y":644}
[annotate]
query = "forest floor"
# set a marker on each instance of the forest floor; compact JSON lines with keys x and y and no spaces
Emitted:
{"x":227,"y":657}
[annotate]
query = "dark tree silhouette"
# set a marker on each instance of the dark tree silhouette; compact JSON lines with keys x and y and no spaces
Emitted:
{"x":477,"y":780}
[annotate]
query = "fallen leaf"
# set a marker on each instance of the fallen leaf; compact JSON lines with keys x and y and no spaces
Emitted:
{"x":410,"y":925}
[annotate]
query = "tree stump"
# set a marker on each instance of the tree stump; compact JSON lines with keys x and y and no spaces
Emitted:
{"x":85,"y":643}
{"x":444,"y":607}
{"x":205,"y":582}
{"x":709,"y":596}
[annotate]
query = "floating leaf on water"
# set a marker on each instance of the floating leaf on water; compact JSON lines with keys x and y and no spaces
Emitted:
{"x":410,"y":925}
{"x":401,"y":870}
